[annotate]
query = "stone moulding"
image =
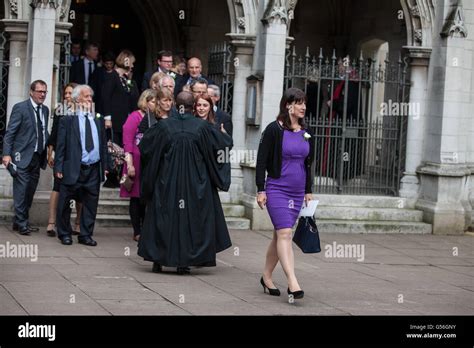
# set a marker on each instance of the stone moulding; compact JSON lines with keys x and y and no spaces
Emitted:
{"x":276,"y":9}
{"x":455,"y":25}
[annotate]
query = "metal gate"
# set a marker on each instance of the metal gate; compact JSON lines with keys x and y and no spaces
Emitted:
{"x":221,"y":71}
{"x":64,"y":66}
{"x":4,"y":68}
{"x":358,"y":110}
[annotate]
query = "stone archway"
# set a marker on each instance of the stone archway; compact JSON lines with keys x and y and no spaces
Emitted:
{"x":419,"y":16}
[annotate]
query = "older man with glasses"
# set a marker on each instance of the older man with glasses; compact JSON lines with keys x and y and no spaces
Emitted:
{"x":24,"y":152}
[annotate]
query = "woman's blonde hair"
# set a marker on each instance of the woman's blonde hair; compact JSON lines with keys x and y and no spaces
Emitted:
{"x":163,"y":93}
{"x":147,"y":95}
{"x":124,"y":58}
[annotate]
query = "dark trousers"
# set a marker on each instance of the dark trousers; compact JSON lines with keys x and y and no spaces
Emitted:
{"x":137,"y":215}
{"x":24,"y":188}
{"x":88,"y":187}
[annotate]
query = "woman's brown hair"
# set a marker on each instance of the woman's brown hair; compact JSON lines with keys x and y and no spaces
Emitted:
{"x":289,"y":97}
{"x":211,"y":118}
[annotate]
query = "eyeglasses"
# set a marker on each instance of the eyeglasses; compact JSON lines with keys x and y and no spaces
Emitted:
{"x":41,"y":92}
{"x":167,"y":61}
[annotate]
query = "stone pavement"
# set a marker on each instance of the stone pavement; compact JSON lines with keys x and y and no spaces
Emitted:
{"x":399,"y":275}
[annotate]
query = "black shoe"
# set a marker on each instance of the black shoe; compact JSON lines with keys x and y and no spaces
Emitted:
{"x":51,"y":233}
{"x":33,"y":229}
{"x":183,"y":270}
{"x":272,"y":292}
{"x":297,"y":294}
{"x":66,"y":240}
{"x":15,"y":227}
{"x":157,"y":268}
{"x":87,"y":241}
{"x":24,"y":231}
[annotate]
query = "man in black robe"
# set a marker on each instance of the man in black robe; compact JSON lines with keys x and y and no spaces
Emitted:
{"x":184,"y":222}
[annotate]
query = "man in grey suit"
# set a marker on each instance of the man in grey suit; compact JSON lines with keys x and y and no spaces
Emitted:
{"x":24,"y":146}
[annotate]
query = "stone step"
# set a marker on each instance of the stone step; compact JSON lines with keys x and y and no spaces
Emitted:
{"x":6,"y":216}
{"x":105,"y":220}
{"x":368,"y":214}
{"x":120,"y":207}
{"x":361,"y":201}
{"x":6,"y":205}
{"x":373,"y":227}
{"x":233,"y":210}
{"x":237,"y":223}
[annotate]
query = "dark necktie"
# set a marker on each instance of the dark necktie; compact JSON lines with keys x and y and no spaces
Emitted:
{"x":90,"y":72}
{"x":89,"y":140}
{"x":39,"y":128}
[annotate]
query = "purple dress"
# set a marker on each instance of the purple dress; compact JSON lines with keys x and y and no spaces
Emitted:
{"x":131,"y":140}
{"x":285,"y":195}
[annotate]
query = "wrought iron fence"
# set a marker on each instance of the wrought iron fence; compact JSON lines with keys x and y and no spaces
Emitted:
{"x":4,"y":69}
{"x":359,"y":111}
{"x":221,"y":71}
{"x":64,"y":66}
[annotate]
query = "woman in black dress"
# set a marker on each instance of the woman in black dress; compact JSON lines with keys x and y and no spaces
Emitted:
{"x":120,"y":94}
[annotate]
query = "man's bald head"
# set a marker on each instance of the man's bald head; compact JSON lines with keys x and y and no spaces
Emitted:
{"x":194,"y":67}
{"x":185,"y":102}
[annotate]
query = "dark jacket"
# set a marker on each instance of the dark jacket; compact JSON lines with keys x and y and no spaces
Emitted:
{"x":96,"y":82}
{"x":78,"y":74}
{"x":21,"y":138}
{"x":270,"y":153}
{"x":117,"y":101}
{"x":226,"y":119}
{"x":183,"y":80}
{"x":69,"y":149}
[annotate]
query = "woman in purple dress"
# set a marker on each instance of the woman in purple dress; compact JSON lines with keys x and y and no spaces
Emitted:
{"x":285,"y":154}
{"x":131,"y":140}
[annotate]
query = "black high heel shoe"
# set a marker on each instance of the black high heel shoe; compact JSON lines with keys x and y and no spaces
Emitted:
{"x":272,"y":292}
{"x":297,"y":294}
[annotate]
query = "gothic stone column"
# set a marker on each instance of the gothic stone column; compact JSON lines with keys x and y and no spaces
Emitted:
{"x":410,"y":185}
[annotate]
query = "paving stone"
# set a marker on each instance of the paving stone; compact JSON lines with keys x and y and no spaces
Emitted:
{"x":112,"y":279}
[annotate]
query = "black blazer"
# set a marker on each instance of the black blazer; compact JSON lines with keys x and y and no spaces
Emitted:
{"x":69,"y":149}
{"x":224,"y":117}
{"x":78,"y":74}
{"x":96,"y":82}
{"x":117,"y":101}
{"x":20,"y":136}
{"x":269,"y":157}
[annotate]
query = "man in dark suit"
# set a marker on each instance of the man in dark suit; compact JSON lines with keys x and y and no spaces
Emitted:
{"x":222,"y":117}
{"x":98,"y":77}
{"x":24,"y":145}
{"x":76,"y":49}
{"x":194,"y":72}
{"x":82,"y":161}
{"x":82,"y":70}
{"x":165,"y":63}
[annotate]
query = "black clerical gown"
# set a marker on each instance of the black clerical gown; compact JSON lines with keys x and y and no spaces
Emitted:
{"x":184,"y":222}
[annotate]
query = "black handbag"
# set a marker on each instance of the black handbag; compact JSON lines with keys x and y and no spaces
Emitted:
{"x":307,"y":236}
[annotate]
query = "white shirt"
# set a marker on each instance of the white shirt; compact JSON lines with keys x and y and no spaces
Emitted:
{"x":35,"y":106}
